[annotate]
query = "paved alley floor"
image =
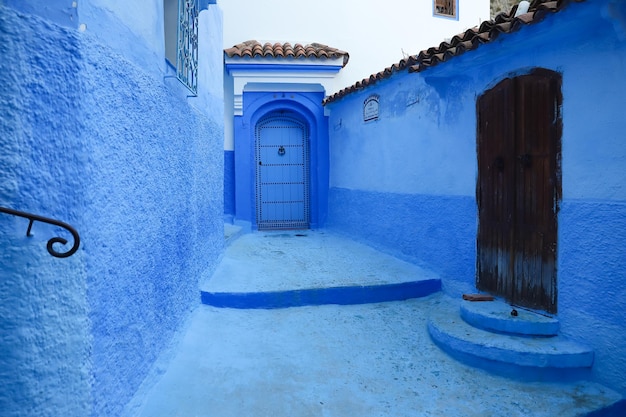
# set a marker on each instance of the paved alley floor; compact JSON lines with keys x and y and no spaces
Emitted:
{"x":293,"y":260}
{"x":368,"y":360}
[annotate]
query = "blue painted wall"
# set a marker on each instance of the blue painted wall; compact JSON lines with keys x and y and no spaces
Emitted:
{"x":61,"y":12}
{"x":229,"y":185}
{"x":97,"y":137}
{"x":413,"y":227}
{"x":45,"y":337}
{"x":255,"y":106}
{"x":406,"y":182}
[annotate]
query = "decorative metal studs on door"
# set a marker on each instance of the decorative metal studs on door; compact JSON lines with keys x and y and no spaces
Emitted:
{"x":282,"y":171}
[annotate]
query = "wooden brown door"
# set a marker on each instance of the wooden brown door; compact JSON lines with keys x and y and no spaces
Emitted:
{"x":519,"y":188}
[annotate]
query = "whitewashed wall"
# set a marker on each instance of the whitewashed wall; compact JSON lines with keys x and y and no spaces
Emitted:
{"x":374,"y":33}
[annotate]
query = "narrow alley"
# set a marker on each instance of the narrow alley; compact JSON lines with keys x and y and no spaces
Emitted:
{"x":373,"y":359}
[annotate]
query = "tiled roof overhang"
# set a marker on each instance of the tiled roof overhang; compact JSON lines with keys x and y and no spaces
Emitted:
{"x":469,"y":40}
{"x":254,"y":49}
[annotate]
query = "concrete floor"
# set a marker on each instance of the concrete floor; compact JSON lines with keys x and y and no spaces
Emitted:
{"x":364,"y":360}
{"x":294,"y":260}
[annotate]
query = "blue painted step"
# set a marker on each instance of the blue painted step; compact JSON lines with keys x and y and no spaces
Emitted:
{"x":527,"y":357}
{"x":342,"y":295}
{"x":496,"y":316}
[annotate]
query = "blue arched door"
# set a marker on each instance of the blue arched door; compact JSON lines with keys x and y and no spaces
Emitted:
{"x":282,"y":171}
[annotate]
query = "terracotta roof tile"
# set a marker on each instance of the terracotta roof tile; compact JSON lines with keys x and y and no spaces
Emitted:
{"x":253,"y":49}
{"x":469,"y":40}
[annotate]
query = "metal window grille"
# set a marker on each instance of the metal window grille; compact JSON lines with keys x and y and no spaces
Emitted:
{"x":187,"y":51}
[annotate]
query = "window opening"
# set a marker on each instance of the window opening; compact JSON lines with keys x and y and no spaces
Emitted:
{"x":445,"y":8}
{"x":170,"y":22}
{"x":181,"y":39}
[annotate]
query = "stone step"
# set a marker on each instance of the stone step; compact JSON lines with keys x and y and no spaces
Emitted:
{"x":497,"y":316}
{"x":296,"y":268}
{"x":344,"y":295}
{"x":527,"y":357}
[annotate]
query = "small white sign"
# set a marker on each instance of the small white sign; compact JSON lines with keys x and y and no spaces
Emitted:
{"x":370,"y":108}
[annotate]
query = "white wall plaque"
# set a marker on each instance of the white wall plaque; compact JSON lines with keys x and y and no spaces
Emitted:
{"x":370,"y":108}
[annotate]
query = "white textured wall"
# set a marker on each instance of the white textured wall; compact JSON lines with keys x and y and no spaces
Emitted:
{"x":374,"y":33}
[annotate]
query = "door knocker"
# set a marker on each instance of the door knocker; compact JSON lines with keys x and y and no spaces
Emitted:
{"x":281,"y":150}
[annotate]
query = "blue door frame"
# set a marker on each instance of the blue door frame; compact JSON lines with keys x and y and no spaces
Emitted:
{"x":305,"y":107}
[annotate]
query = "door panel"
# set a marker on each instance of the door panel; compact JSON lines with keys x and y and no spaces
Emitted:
{"x":495,"y":199}
{"x":518,"y":189}
{"x":282,"y":172}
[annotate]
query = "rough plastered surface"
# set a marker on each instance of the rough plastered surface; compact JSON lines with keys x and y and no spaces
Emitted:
{"x":45,"y":340}
{"x":155,"y":194}
{"x":359,"y":360}
{"x":94,"y":139}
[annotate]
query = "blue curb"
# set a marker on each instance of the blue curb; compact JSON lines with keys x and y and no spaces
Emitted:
{"x":319,"y":296}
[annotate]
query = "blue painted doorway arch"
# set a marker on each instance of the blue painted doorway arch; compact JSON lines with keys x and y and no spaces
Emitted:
{"x":303,"y":107}
{"x":282,"y":171}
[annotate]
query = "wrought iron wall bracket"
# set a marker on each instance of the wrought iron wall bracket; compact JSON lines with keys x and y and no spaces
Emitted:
{"x":33,"y":218}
